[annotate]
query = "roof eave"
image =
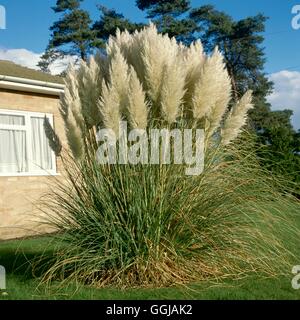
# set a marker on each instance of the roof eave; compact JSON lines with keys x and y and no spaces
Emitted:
{"x":29,"y":85}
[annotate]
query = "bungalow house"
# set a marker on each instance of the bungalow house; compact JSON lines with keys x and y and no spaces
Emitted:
{"x":26,"y":160}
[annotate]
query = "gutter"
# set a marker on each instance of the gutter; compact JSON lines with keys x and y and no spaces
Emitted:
{"x":28,"y":85}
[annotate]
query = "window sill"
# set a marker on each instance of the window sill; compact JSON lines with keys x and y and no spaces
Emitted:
{"x":30,"y":174}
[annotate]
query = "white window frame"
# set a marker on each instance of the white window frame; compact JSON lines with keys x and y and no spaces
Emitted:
{"x":27,"y":128}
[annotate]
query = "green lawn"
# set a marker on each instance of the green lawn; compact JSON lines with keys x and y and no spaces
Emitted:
{"x":21,"y":284}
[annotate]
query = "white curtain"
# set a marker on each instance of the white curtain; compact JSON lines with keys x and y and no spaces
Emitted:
{"x":12,"y":145}
{"x":41,"y":152}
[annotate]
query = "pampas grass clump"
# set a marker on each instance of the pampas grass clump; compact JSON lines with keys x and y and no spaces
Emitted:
{"x":151,"y":225}
{"x":148,"y":78}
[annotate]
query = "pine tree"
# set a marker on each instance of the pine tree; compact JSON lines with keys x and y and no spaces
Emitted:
{"x":170,"y":16}
{"x":63,"y":5}
{"x":71,"y":34}
{"x":240,"y":41}
{"x":109,"y":22}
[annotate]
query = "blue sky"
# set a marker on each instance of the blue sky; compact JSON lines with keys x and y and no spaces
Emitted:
{"x":28,"y":25}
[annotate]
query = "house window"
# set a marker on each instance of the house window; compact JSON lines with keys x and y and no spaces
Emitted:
{"x":24,"y":148}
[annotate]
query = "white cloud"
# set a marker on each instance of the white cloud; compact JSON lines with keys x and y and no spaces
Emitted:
{"x":30,"y":59}
{"x":286,"y":93}
{"x":60,"y":65}
{"x":21,"y":56}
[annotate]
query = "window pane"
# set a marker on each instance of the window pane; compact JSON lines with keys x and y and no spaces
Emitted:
{"x":12,"y":119}
{"x":12,"y":151}
{"x":41,"y":152}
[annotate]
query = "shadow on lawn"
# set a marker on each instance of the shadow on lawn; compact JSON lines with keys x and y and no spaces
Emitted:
{"x":25,"y":263}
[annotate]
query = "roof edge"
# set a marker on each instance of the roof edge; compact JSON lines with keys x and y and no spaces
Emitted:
{"x":29,"y":85}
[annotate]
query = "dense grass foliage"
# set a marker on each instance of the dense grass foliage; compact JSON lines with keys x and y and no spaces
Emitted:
{"x":152,"y":225}
{"x":134,"y":225}
{"x":23,"y":282}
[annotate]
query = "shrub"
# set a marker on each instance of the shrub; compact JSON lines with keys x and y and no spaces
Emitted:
{"x":136,"y":225}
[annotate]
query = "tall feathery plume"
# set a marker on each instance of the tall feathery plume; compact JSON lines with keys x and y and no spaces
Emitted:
{"x":221,"y":105}
{"x":70,"y":80}
{"x":173,"y":89}
{"x":134,"y":55}
{"x":67,"y":96}
{"x":90,"y":80}
{"x":236,"y":119}
{"x":193,"y":60}
{"x":71,"y":111}
{"x":71,"y":100}
{"x":137,"y":107}
{"x":109,"y":107}
{"x":130,"y":45}
{"x":119,"y":77}
{"x":209,"y":87}
{"x":156,"y":50}
{"x":123,"y":41}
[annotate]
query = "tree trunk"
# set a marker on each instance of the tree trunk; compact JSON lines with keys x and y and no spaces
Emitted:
{"x":83,"y":55}
{"x":233,"y":83}
{"x":231,"y":74}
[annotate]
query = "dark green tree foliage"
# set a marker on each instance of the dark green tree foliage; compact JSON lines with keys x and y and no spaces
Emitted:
{"x":63,"y":5}
{"x":282,"y":145}
{"x":241,"y":43}
{"x":109,"y":22}
{"x":160,"y":8}
{"x":171,"y":17}
{"x":279,"y":133}
{"x":71,"y":34}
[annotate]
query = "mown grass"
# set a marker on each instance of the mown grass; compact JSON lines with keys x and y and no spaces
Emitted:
{"x":23,"y":281}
